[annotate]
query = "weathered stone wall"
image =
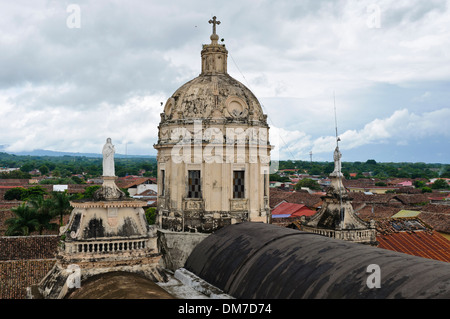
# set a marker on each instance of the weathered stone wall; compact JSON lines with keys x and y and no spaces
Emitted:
{"x":176,"y":247}
{"x":200,"y":221}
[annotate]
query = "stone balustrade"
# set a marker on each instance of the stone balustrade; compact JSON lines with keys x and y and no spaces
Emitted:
{"x":105,"y":246}
{"x":349,"y":235}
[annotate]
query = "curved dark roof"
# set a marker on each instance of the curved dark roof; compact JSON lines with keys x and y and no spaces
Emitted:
{"x":118,"y":285}
{"x":256,"y":260}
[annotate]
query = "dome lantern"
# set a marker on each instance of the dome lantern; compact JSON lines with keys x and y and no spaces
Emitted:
{"x":214,"y":55}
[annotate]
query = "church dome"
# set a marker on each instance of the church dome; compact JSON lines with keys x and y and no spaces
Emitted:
{"x":214,"y":94}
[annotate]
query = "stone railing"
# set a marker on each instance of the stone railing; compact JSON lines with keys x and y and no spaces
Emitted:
{"x":110,"y":246}
{"x":324,"y":232}
{"x":354,"y":235}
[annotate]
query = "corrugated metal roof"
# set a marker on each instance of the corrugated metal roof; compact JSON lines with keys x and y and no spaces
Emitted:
{"x":292,"y":209}
{"x":286,"y":208}
{"x":406,"y":213}
{"x":420,"y":243}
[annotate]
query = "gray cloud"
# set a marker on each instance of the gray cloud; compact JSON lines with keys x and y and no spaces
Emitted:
{"x":128,"y":57}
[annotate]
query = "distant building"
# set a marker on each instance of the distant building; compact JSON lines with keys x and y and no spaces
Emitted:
{"x":8,"y":169}
{"x":138,"y":185}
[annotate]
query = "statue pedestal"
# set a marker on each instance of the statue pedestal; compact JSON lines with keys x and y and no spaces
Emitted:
{"x":109,"y":190}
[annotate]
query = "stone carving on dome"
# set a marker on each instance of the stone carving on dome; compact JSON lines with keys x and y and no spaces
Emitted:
{"x":215,"y":98}
{"x":169,"y":107}
{"x":235,"y":107}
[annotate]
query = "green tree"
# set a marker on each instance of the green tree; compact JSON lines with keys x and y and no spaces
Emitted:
{"x":307,"y":182}
{"x":27,"y":167}
{"x":125,"y":191}
{"x":15,"y":175}
{"x":150,"y":214}
{"x":23,"y":223}
{"x":419,"y":184}
{"x":316,"y":170}
{"x":90,"y":190}
{"x":328,"y":168}
{"x":278,"y":178}
{"x":78,"y":180}
{"x":44,"y":209}
{"x":44,"y":169}
{"x":61,"y":205}
{"x":426,"y":189}
{"x":35,"y":191}
{"x":16,"y":193}
{"x":56,"y":173}
{"x":439,"y":184}
{"x":445,"y":172}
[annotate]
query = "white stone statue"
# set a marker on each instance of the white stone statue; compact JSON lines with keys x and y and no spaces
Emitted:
{"x":108,"y":158}
{"x":337,"y":163}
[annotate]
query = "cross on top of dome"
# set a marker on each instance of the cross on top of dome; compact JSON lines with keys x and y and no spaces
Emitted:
{"x":214,"y":37}
{"x":214,"y":22}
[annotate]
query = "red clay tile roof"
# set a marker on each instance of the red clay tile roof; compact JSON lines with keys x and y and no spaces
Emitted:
{"x":28,"y":247}
{"x":439,"y":221}
{"x":148,"y":192}
{"x":277,"y":196}
{"x":301,"y":197}
{"x":133,"y":182}
{"x":375,"y":212}
{"x":14,"y":182}
{"x":17,"y":275}
{"x":310,"y":200}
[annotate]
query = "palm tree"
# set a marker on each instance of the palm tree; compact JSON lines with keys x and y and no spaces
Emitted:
{"x":44,"y":212}
{"x":24,"y":223}
{"x":61,"y":205}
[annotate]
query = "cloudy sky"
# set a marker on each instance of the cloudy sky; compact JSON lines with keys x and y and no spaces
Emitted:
{"x":76,"y":72}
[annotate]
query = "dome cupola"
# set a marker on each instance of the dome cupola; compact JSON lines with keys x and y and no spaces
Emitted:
{"x":214,"y":94}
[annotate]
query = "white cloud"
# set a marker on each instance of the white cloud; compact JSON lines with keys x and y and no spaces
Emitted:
{"x":401,"y":128}
{"x":65,"y":129}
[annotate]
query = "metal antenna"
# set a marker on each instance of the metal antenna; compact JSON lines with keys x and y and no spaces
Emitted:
{"x":339,"y":169}
{"x":335,"y":120}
